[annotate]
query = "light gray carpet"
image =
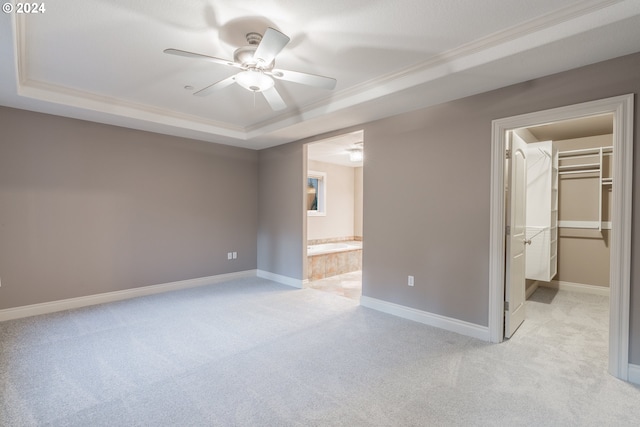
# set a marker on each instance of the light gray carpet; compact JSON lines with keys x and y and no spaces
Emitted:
{"x":252,"y":352}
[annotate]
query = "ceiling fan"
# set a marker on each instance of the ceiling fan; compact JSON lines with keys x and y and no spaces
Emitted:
{"x":257,"y":62}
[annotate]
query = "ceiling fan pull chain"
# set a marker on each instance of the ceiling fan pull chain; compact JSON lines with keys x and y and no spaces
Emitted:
{"x":254,"y":99}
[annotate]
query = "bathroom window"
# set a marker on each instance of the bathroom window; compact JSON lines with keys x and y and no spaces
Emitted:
{"x":316,"y":193}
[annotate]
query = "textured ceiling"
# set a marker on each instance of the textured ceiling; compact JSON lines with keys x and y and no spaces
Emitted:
{"x":103,"y":60}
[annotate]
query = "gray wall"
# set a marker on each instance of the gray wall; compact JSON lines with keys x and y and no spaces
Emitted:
{"x":87,"y":208}
{"x":282,"y":227}
{"x":426,"y":204}
{"x":427,"y":188}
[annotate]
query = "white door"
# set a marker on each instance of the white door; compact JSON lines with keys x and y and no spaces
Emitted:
{"x":516,"y":238}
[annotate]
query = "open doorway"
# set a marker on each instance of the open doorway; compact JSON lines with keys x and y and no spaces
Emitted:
{"x":620,"y":256}
{"x":334,"y":212}
{"x":580,"y":157}
{"x":565,"y":239}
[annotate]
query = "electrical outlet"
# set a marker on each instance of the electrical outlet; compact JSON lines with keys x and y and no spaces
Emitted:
{"x":229,"y":255}
{"x":410,"y":281}
{"x":235,"y":255}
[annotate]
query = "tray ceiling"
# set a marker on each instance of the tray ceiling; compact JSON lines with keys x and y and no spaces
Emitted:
{"x":103,"y":60}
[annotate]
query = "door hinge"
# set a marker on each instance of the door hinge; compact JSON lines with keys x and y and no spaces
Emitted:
{"x":508,"y":230}
{"x":506,"y":306}
{"x":507,"y":154}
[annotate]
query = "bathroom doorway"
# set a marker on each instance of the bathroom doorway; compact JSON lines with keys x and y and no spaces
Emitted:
{"x":334,"y":211}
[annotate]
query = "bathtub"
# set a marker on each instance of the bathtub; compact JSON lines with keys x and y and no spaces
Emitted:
{"x":328,"y":248}
{"x":331,"y":259}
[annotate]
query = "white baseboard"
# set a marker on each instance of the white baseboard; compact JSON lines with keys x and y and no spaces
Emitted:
{"x":285,"y":280}
{"x":67,"y":304}
{"x":634,"y":373}
{"x":576,"y":287}
{"x":443,"y":322}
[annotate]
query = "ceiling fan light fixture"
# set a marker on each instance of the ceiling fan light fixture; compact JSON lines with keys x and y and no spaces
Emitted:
{"x":254,"y":80}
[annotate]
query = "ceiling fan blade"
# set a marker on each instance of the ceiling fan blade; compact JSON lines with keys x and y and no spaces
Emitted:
{"x":274,"y":99}
{"x":216,"y":86}
{"x":186,"y":54}
{"x":304,"y":78}
{"x":273,"y":41}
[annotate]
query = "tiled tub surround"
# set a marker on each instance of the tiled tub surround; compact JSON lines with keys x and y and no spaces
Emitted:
{"x":333,"y":258}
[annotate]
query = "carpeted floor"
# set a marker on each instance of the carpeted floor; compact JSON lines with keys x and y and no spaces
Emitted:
{"x":252,"y":352}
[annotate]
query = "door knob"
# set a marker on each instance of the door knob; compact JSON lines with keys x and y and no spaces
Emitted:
{"x":527,"y":242}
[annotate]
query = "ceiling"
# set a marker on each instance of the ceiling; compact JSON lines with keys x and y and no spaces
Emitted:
{"x":103,"y":60}
{"x":336,"y":149}
{"x":574,"y":128}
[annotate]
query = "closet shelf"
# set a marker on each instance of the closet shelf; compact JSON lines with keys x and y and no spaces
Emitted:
{"x":588,"y":168}
{"x":591,"y":151}
{"x":595,"y":166}
{"x":587,"y":225}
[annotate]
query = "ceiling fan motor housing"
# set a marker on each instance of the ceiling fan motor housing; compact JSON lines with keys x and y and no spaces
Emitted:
{"x":245,"y":54}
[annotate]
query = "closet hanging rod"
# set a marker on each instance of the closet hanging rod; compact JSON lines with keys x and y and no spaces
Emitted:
{"x":538,"y":232}
{"x":581,"y":165}
{"x":579,"y":171}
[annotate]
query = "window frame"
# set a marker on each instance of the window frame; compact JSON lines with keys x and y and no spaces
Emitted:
{"x":321,"y":193}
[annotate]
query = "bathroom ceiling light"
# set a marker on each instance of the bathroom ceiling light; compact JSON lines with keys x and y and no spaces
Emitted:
{"x":356,"y":155}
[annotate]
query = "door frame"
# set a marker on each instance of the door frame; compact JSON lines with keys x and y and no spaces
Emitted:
{"x":622,"y":109}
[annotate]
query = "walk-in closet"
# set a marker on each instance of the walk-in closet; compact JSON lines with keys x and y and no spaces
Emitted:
{"x":569,"y":183}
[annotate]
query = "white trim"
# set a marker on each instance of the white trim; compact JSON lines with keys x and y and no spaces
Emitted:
{"x":71,"y":303}
{"x":620,"y":276}
{"x":285,"y":280}
{"x":622,"y":109}
{"x":576,"y":287}
{"x":496,"y":232}
{"x":634,"y":373}
{"x":436,"y":320}
{"x":322,"y":193}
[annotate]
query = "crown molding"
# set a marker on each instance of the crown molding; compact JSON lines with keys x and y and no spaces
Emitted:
{"x":105,"y":104}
